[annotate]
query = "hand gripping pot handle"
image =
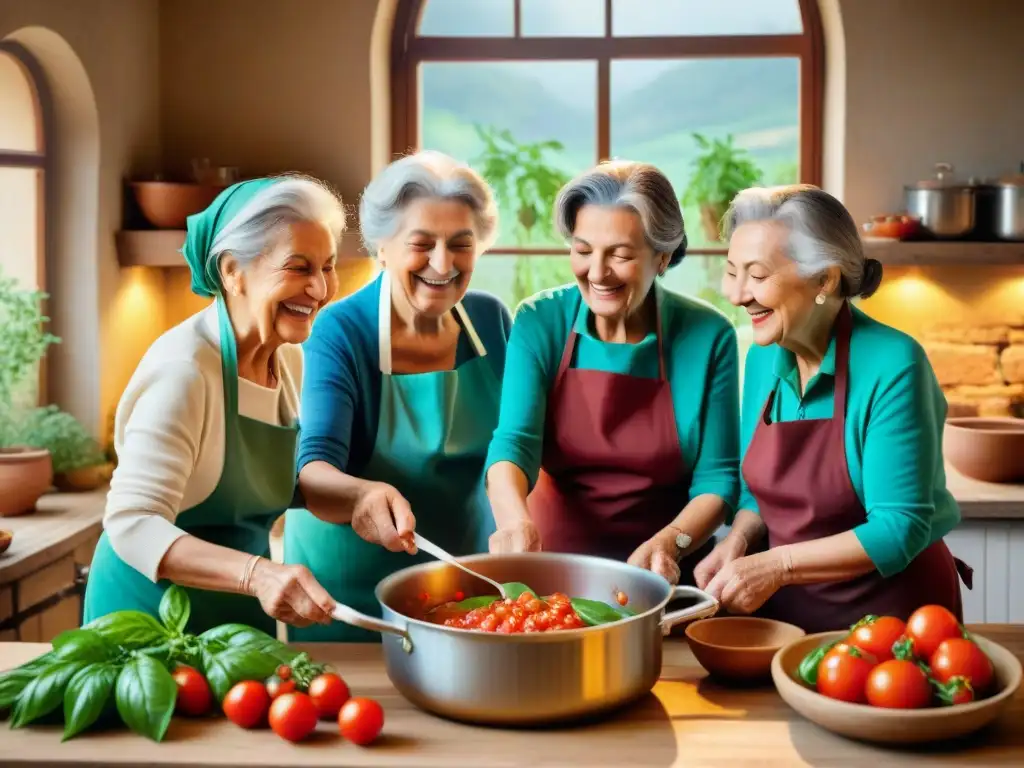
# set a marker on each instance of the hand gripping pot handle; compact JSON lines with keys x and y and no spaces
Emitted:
{"x":356,"y":619}
{"x":706,"y":608}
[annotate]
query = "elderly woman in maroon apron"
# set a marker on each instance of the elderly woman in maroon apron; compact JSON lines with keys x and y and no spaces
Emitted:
{"x":842,"y":418}
{"x":618,"y":433}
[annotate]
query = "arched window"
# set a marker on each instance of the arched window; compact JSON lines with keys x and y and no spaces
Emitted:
{"x":22,"y":169}
{"x":532,"y":91}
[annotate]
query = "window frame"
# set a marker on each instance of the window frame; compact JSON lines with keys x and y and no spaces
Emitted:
{"x":408,"y":51}
{"x":39,"y":160}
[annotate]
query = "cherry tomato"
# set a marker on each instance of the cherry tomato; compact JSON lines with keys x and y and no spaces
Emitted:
{"x":930,"y":625}
{"x":284,"y":672}
{"x":877,"y":635}
{"x":959,"y":657}
{"x":278,"y":687}
{"x":898,"y":684}
{"x":843,"y":672}
{"x":194,"y":697}
{"x":954,"y":691}
{"x":460,"y":596}
{"x":247,"y":703}
{"x":621,"y":598}
{"x":293,"y":716}
{"x":328,"y":692}
{"x":361,"y":720}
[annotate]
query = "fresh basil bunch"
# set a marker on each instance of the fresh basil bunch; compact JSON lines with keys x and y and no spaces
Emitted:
{"x":120,"y":666}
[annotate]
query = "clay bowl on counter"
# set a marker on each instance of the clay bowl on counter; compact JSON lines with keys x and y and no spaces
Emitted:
{"x":739,"y":649}
{"x":893,"y":726}
{"x":987,"y":449}
{"x":167,"y":204}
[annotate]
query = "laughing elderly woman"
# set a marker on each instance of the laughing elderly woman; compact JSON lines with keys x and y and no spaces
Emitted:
{"x":618,"y":431}
{"x":842,"y":424}
{"x":401,"y":393}
{"x":205,"y":431}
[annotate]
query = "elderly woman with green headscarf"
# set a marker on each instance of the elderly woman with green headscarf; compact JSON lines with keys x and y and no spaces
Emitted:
{"x":206,"y":430}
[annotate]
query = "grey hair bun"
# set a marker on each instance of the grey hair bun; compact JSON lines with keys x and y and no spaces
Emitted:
{"x":871,"y":279}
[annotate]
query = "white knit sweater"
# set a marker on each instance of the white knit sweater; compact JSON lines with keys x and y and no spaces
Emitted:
{"x":169,"y":435}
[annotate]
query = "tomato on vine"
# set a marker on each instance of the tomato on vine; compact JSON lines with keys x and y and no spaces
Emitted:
{"x":194,"y":697}
{"x":877,"y":635}
{"x":928,"y":626}
{"x":960,"y":657}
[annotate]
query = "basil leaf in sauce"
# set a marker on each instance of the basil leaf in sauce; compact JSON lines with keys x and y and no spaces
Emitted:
{"x":513,"y":589}
{"x":594,"y":612}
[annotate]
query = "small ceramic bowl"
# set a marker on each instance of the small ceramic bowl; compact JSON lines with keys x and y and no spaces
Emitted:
{"x":991,"y":450}
{"x":739,"y":649}
{"x":893,"y":726}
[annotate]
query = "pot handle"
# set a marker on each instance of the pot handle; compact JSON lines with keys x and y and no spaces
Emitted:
{"x":361,"y":620}
{"x":702,"y":610}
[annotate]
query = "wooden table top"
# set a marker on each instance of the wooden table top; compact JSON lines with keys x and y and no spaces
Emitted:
{"x":61,"y":522}
{"x":686,"y":721}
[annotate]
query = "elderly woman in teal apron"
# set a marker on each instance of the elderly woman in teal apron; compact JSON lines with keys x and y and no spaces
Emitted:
{"x":205,"y":431}
{"x":844,"y":491}
{"x":401,"y":392}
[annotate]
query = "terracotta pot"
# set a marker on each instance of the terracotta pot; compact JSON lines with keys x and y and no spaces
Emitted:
{"x":25,"y":475}
{"x":991,"y":450}
{"x":166,"y":204}
{"x":84,"y":479}
{"x":711,"y":220}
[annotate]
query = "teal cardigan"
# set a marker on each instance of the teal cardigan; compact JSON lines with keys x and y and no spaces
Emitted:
{"x":895,"y":414}
{"x":701,"y":361}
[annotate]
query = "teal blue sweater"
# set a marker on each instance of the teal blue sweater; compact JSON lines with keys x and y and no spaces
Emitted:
{"x":701,"y":361}
{"x":895,"y":414}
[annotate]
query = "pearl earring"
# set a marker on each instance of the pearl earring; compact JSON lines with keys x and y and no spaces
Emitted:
{"x":819,"y":299}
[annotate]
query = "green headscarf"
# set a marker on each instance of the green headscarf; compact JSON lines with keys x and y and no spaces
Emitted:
{"x":204,"y":227}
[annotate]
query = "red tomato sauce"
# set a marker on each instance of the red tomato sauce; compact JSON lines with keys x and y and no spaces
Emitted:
{"x":524,"y":614}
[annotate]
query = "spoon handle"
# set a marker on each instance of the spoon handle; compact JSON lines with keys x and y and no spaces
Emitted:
{"x":432,"y":549}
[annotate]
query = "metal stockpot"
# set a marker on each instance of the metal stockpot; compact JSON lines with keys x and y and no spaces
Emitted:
{"x":1009,"y":207}
{"x":524,"y":679}
{"x":945,"y":207}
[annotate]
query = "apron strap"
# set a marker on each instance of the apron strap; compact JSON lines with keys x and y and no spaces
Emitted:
{"x":384,"y":326}
{"x":844,"y":328}
{"x":384,"y":323}
{"x":570,"y":343}
{"x":229,"y":373}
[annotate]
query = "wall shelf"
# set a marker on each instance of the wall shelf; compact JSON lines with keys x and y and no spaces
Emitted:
{"x":934,"y":253}
{"x":150,"y":247}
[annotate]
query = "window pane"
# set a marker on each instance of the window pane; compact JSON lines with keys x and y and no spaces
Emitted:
{"x":18,"y":129}
{"x":754,"y":100}
{"x":665,"y":18}
{"x":468,"y":18}
{"x":563,"y":18}
{"x":542,"y":102}
{"x":20,"y":254}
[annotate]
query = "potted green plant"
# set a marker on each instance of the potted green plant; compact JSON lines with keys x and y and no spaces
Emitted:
{"x":35,"y":443}
{"x":524,"y":179}
{"x":720,"y":171}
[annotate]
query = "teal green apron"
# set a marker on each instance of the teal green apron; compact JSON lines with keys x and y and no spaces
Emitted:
{"x":432,"y":438}
{"x":256,"y":486}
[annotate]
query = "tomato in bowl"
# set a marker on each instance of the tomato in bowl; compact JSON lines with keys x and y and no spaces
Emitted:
{"x":901,"y":703}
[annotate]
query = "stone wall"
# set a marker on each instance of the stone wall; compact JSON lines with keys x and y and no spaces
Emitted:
{"x":980,"y":367}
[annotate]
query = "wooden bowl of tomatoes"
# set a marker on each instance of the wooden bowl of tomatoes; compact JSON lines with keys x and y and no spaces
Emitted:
{"x":894,"y":682}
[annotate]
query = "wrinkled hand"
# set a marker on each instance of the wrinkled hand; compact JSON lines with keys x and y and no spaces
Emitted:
{"x":523,"y":536}
{"x":383,"y":516}
{"x":745,"y":584}
{"x":658,"y":554}
{"x":289,"y":593}
{"x":728,"y":549}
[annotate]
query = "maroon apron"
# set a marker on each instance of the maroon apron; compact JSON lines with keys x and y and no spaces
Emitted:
{"x":612,"y":470}
{"x":797,"y":472}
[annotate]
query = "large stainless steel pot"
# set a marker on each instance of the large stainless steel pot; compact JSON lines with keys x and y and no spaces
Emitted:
{"x":945,"y":207}
{"x":525,"y":679}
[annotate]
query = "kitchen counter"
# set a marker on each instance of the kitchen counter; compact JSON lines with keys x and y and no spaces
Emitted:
{"x":985,"y":501}
{"x":687,"y":721}
{"x":41,"y":573}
